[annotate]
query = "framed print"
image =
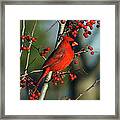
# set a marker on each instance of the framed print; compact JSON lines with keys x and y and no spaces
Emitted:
{"x":59,"y":59}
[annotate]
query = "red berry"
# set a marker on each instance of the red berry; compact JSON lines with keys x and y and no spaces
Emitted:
{"x":71,"y":78}
{"x":89,"y":47}
{"x":39,"y":94}
{"x":75,"y":76}
{"x":31,"y":83}
{"x":92,"y":53}
{"x":31,"y":98}
{"x":88,"y":24}
{"x":85,"y":27}
{"x":53,"y":76}
{"x":23,"y":48}
{"x":82,"y":21}
{"x":75,"y":32}
{"x":74,"y":35}
{"x":24,"y":80}
{"x":23,"y":37}
{"x":70,"y":26}
{"x":34,"y":39}
{"x":91,"y":27}
{"x":86,"y":32}
{"x":77,"y":20}
{"x":78,"y":54}
{"x":36,"y":96}
{"x":63,"y":21}
{"x":79,"y":24}
{"x":57,"y":78}
{"x":27,"y":48}
{"x":77,"y":27}
{"x":92,"y":21}
{"x":71,"y":74}
{"x":48,"y":48}
{"x":75,"y":62}
{"x":62,"y":82}
{"x":28,"y":37}
{"x":82,"y":25}
{"x":33,"y":95}
{"x":89,"y":32}
{"x":85,"y":35}
{"x":70,"y":23}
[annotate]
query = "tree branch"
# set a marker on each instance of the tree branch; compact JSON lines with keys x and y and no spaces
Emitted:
{"x":48,"y":29}
{"x":34,"y":71}
{"x":45,"y":86}
{"x":23,"y":32}
{"x":48,"y":78}
{"x":89,"y":88}
{"x":28,"y":55}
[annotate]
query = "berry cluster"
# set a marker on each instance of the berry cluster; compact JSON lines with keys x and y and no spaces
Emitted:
{"x":91,"y":50}
{"x":25,"y":48}
{"x":34,"y":96}
{"x":72,"y":76}
{"x":56,"y":78}
{"x":45,"y":51}
{"x":23,"y":83}
{"x":75,"y":61}
{"x":73,"y":26}
{"x":87,"y":48}
{"x":28,"y":38}
{"x":27,"y":81}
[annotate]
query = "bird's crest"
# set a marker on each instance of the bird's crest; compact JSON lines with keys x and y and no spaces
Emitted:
{"x":68,"y":38}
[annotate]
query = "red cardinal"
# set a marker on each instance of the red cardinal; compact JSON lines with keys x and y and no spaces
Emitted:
{"x":60,"y":58}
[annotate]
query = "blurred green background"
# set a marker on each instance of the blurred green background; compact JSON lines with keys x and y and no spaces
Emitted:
{"x":89,"y":64}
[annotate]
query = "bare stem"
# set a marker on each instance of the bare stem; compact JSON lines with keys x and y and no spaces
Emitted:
{"x":89,"y":88}
{"x":81,"y":52}
{"x":28,"y":55}
{"x":23,"y":32}
{"x":34,"y":71}
{"x":48,"y":29}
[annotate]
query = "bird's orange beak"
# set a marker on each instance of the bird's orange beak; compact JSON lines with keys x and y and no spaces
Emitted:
{"x":74,"y":44}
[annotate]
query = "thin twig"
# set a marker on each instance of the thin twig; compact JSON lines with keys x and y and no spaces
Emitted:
{"x":89,"y":88}
{"x":34,"y":71}
{"x":23,"y":32}
{"x":28,"y":55}
{"x":79,"y":52}
{"x":39,"y":52}
{"x":32,"y":61}
{"x":42,"y":33}
{"x":43,"y":57}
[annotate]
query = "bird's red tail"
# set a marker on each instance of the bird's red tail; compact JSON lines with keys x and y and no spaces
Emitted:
{"x":47,"y":70}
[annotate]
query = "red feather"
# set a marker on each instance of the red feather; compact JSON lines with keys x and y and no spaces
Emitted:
{"x":59,"y":59}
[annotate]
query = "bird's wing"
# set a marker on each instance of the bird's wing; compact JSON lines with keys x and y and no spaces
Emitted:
{"x":54,"y":58}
